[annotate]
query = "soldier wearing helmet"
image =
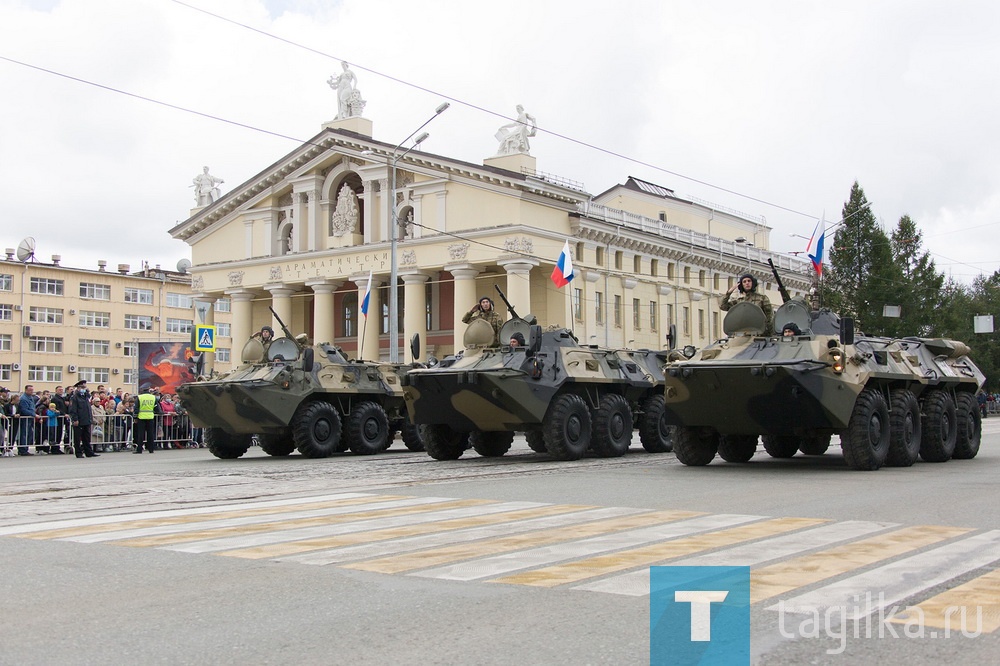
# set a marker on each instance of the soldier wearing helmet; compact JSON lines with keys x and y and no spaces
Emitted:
{"x":266,"y":335}
{"x":747,"y":286}
{"x":484,"y":310}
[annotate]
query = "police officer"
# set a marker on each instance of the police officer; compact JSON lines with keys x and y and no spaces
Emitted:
{"x":144,"y":426}
{"x":484,"y":310}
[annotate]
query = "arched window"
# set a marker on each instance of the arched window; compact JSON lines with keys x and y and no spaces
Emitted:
{"x":285,"y":240}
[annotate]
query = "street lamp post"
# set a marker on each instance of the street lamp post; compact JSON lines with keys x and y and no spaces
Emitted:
{"x":394,"y":232}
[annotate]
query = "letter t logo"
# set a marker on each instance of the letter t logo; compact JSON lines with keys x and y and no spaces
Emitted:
{"x":701,"y":610}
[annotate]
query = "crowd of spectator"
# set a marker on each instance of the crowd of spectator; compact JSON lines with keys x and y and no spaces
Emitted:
{"x":44,"y":422}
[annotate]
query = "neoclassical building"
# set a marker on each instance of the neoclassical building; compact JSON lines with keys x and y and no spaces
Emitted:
{"x":304,"y":235}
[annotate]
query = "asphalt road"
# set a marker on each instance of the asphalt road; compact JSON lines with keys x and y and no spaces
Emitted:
{"x":180,"y":558}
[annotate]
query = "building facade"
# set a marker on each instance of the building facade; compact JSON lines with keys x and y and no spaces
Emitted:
{"x":306,"y":234}
{"x":59,"y":325}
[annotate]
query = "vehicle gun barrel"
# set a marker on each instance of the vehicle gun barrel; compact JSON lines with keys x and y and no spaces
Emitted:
{"x":503,"y":297}
{"x":785,"y":297}
{"x":284,"y":328}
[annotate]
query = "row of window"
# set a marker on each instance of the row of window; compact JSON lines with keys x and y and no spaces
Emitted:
{"x":54,"y":373}
{"x":94,"y":319}
{"x":654,"y":268}
{"x":102,"y":292}
{"x":47,"y":345}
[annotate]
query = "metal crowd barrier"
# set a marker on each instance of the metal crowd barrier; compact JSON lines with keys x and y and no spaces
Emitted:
{"x":112,"y":432}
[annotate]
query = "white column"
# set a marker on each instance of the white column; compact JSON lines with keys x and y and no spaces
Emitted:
{"x":313,"y":220}
{"x":442,"y":210}
{"x":518,"y":285}
{"x":242,"y":327}
{"x":281,"y":301}
{"x":248,"y":238}
{"x":299,"y":231}
{"x":368,"y":345}
{"x":369,"y":195}
{"x":418,"y":219}
{"x":324,"y":315}
{"x":414,"y":313}
{"x":465,"y":297}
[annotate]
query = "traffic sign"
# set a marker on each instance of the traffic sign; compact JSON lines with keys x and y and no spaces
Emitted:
{"x":204,"y":338}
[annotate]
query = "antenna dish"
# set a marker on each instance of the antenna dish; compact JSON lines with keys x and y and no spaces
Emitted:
{"x":183,"y":265}
{"x":26,"y":249}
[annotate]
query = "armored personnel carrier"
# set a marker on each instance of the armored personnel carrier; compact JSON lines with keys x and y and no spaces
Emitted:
{"x":293,"y":396}
{"x":889,"y":400}
{"x":567,"y":398}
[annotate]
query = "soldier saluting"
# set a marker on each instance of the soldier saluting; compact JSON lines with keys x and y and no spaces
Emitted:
{"x":749,"y":294}
{"x":484,"y":310}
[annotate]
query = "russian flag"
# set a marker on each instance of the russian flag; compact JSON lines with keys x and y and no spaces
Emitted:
{"x":817,"y":258}
{"x":562,"y":274}
{"x":368,"y":296}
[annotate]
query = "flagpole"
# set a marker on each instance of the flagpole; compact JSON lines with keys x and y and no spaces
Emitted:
{"x":361,"y":349}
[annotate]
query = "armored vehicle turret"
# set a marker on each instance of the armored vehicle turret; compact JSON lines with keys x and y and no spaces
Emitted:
{"x":567,"y":398}
{"x":295,"y":396}
{"x":889,"y":400}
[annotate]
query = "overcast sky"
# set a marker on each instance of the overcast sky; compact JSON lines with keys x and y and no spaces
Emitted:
{"x":771,"y":108}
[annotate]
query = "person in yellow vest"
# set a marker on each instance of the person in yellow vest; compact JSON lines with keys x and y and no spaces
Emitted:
{"x":144,"y":425}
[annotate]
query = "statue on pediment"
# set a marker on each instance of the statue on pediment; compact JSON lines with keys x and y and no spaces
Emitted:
{"x":206,"y":188}
{"x":349,"y":102}
{"x":513,"y":137}
{"x":346,"y":214}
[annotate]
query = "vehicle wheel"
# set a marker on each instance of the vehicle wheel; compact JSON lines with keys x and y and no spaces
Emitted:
{"x":443,"y":443}
{"x":223,"y":445}
{"x":970,"y":427}
{"x":567,"y":429}
{"x":491,"y":444}
{"x":536,"y":441}
{"x":781,"y":446}
{"x":696,"y":446}
{"x":367,"y":429}
{"x":904,"y":429}
{"x":814,"y":445}
{"x":940,"y":428}
{"x":276,"y":445}
{"x":612,"y":427}
{"x":655,"y":433}
{"x":316,"y":429}
{"x":411,"y":435}
{"x":866,"y":441}
{"x":737,"y":448}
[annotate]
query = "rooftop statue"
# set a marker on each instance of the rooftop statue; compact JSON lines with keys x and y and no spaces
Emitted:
{"x":349,"y":102}
{"x":513,"y":137}
{"x":206,"y":188}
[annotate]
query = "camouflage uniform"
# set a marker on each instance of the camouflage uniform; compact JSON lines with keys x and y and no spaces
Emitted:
{"x":493,"y":318}
{"x":760,"y":300}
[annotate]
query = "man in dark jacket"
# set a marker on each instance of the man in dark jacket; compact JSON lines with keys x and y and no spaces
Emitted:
{"x":82,"y":417}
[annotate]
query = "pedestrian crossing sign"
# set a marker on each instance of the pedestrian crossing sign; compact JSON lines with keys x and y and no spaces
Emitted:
{"x":204,"y":338}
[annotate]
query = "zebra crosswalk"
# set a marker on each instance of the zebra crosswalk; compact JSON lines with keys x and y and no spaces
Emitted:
{"x":797,"y":564}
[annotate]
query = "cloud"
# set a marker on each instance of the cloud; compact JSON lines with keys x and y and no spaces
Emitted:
{"x":787,"y":103}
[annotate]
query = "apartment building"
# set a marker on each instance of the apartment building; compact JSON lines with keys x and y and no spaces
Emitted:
{"x":59,"y":324}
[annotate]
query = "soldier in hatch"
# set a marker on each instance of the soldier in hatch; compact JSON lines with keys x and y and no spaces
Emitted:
{"x":748,"y":292}
{"x":484,"y":310}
